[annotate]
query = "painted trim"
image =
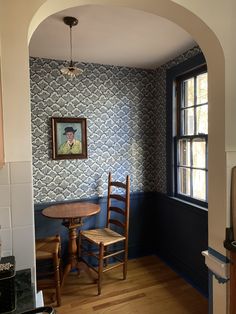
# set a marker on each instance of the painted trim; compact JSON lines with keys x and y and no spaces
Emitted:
{"x":180,"y":69}
{"x":223,"y":259}
{"x":187,"y":205}
{"x":218,"y":255}
{"x":210,"y":292}
{"x":95,"y":199}
{"x":217,"y":267}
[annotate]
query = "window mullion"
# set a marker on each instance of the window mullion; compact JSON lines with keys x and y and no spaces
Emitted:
{"x":206,"y":156}
{"x":182,"y":125}
{"x":191,"y":169}
{"x":195,"y":102}
{"x":194,"y":168}
{"x":195,"y":131}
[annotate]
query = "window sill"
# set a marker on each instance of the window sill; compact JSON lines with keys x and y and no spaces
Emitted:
{"x":188,"y":203}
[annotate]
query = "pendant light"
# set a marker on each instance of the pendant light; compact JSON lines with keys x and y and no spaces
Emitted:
{"x":71,"y":70}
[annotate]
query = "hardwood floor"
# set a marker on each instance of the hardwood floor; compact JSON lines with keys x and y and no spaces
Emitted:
{"x":151,"y":287}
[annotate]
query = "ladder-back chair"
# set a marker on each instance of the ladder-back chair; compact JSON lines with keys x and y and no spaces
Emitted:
{"x":118,"y":204}
{"x":48,"y":268}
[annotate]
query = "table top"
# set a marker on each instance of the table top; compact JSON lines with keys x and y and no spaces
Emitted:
{"x":71,"y":210}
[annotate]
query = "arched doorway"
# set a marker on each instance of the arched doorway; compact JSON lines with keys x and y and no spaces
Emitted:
{"x":19,"y":102}
{"x":212,"y":50}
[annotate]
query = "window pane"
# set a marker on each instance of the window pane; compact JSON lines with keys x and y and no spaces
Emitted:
{"x":202,"y":89}
{"x":199,"y":184}
{"x":188,"y":93}
{"x":188,"y":121}
{"x":202,"y":119}
{"x":199,"y":153}
{"x":192,"y":124}
{"x":184,"y":181}
{"x":184,"y":152}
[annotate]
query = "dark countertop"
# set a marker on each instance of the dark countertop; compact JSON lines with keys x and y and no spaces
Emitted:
{"x":24,"y":292}
{"x":25,"y":299}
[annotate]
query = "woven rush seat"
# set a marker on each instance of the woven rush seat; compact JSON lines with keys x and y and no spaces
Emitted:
{"x":107,"y":236}
{"x":46,"y":247}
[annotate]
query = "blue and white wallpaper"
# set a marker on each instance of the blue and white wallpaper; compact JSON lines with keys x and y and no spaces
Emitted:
{"x":126,"y":124}
{"x":119,"y":104}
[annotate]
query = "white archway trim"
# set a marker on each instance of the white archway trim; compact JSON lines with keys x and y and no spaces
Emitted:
{"x":27,"y":15}
{"x":213,"y":52}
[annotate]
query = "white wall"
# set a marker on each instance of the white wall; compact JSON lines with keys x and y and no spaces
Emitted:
{"x":211,"y":23}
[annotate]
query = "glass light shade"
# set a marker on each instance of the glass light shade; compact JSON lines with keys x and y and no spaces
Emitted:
{"x":71,"y":71}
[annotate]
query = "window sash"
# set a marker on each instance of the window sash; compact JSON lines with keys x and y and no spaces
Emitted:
{"x":188,"y":68}
{"x":189,"y":128}
{"x":190,"y":167}
{"x":183,"y":122}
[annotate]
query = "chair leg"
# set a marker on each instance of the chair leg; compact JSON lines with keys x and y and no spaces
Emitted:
{"x":60,"y":272}
{"x":79,"y":245}
{"x":57,"y":280}
{"x":59,"y":260}
{"x":105,"y":262}
{"x":100,"y":267}
{"x":125,"y":270}
{"x":125,"y":262}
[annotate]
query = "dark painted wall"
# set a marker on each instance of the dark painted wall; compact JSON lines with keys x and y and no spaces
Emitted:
{"x":181,"y":234}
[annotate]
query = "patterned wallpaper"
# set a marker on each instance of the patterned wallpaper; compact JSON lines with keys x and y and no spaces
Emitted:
{"x":119,"y":104}
{"x":126,"y":125}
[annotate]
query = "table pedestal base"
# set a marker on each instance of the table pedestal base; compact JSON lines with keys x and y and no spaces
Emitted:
{"x":74,"y":262}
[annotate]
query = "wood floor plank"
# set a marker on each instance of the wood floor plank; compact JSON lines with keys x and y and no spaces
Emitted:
{"x":119,"y":301}
{"x":151,"y":287}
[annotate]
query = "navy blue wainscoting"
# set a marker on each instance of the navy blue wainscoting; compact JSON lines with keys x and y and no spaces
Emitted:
{"x":174,"y":230}
{"x":181,"y":236}
{"x":142,"y":208}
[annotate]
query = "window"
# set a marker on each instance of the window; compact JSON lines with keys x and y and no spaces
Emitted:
{"x":191,"y":137}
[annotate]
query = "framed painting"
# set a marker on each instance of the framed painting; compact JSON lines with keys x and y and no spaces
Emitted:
{"x":69,"y":138}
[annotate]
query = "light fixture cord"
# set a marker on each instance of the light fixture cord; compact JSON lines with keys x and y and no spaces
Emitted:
{"x":71,"y":46}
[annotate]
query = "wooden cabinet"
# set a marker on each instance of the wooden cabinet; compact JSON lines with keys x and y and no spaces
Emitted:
{"x":1,"y":129}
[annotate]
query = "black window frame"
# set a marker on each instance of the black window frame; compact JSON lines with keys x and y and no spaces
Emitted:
{"x":184,"y":70}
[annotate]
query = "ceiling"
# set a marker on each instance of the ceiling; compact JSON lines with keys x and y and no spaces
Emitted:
{"x":110,"y":35}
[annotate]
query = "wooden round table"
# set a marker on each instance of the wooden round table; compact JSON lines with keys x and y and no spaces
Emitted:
{"x":72,"y":215}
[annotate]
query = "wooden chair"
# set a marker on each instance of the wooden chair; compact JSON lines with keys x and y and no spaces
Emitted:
{"x":48,"y":270}
{"x":104,"y":239}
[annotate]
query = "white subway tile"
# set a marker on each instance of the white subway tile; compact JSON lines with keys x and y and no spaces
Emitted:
{"x":6,"y":238}
{"x":6,"y":253}
{"x":4,"y":195}
{"x":22,"y":205}
{"x":5,"y":175}
{"x":5,"y":217}
{"x":21,"y":172}
{"x":24,"y":247}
